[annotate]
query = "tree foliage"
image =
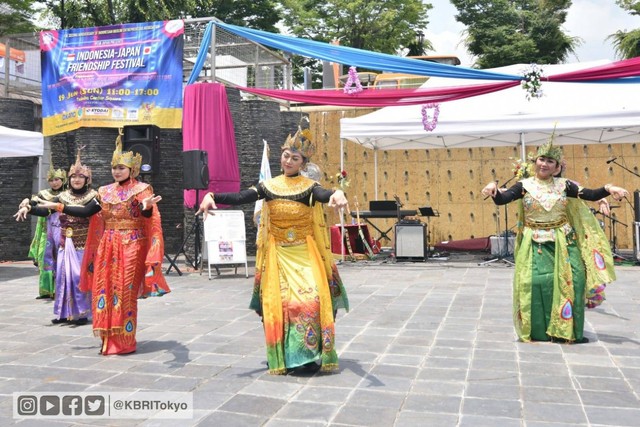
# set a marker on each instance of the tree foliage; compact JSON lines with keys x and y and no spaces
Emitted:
{"x":380,"y":26}
{"x":258,"y":14}
{"x":15,"y":17}
{"x":261,"y":14}
{"x":627,"y":43}
{"x":505,"y":32}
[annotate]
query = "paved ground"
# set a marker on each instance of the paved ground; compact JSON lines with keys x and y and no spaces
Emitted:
{"x":425,"y":344}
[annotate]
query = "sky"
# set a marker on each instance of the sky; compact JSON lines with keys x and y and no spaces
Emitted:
{"x":591,"y":20}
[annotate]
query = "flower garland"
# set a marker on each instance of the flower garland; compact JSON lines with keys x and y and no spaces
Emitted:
{"x":531,"y":81}
{"x":353,"y":80}
{"x":430,"y":123}
{"x":343,"y":181}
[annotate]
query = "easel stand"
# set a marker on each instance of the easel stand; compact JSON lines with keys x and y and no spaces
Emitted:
{"x":196,"y":231}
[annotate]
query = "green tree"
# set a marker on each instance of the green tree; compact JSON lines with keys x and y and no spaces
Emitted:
{"x":258,"y":14}
{"x":15,"y":17}
{"x":381,"y":26}
{"x":505,"y":32}
{"x":261,"y":14}
{"x":627,"y":43}
{"x":96,"y":13}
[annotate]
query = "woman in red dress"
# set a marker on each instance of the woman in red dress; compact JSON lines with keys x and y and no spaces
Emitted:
{"x":123,"y":253}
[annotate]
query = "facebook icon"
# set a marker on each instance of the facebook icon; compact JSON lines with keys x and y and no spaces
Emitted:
{"x":72,"y":405}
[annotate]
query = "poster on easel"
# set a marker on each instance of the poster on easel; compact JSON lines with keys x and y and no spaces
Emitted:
{"x":225,"y":238}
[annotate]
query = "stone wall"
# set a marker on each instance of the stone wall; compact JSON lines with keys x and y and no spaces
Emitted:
{"x":450,"y":180}
{"x":254,"y":121}
{"x":447,"y":180}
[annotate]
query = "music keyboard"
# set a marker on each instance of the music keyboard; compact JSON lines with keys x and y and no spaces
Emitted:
{"x":385,"y":214}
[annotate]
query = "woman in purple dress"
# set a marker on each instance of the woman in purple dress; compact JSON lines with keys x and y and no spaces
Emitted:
{"x":71,"y":305}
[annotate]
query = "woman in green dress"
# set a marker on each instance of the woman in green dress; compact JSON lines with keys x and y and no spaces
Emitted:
{"x":44,"y":246}
{"x":563,"y":259}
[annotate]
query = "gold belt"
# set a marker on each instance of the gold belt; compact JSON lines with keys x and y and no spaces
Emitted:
{"x":79,"y":232}
{"x":291,"y":236}
{"x":552,"y":224}
{"x":123,"y":224}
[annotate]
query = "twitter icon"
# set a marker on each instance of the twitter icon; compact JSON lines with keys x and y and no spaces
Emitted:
{"x":94,"y":405}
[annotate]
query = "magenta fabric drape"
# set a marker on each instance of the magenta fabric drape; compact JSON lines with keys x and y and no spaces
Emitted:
{"x":208,"y":126}
{"x":381,"y":98}
{"x":626,"y":71}
{"x":614,"y":71}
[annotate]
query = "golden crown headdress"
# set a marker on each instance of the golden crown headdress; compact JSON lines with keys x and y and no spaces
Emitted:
{"x":549,"y":150}
{"x":301,"y":142}
{"x":79,"y":169}
{"x":129,"y":159}
{"x":56,"y":173}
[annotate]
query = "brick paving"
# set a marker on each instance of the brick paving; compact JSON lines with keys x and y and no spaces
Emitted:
{"x":425,"y":343}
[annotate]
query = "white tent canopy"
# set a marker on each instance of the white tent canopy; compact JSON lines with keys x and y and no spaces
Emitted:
{"x":581,"y":113}
{"x":20,"y":143}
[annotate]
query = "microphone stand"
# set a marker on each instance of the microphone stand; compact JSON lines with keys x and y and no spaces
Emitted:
{"x":612,"y":232}
{"x":503,"y":254}
{"x":623,"y":167}
{"x":636,"y":224}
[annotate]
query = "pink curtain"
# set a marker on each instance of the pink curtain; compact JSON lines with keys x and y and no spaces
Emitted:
{"x":208,"y":126}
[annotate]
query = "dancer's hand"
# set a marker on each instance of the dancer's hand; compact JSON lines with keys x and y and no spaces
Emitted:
{"x":618,"y":193}
{"x":491,"y":189}
{"x":603,"y":206}
{"x":21,"y":215}
{"x":338,"y":200}
{"x":207,"y":204}
{"x":150,"y":201}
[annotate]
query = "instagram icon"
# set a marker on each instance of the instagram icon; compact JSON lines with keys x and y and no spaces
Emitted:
{"x":27,"y":405}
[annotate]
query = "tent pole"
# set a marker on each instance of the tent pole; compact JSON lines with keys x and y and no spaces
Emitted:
{"x":342,"y":209}
{"x":39,"y":173}
{"x":523,"y":153}
{"x":375,"y":173}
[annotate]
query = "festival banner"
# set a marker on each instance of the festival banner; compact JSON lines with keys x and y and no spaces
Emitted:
{"x":127,"y":74}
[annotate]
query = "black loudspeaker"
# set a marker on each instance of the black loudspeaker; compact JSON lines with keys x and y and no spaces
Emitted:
{"x":145,"y":140}
{"x":195,"y":170}
{"x":411,"y":241}
{"x":636,"y":204}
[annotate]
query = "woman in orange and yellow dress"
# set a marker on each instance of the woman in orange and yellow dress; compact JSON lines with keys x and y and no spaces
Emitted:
{"x":297,"y":288}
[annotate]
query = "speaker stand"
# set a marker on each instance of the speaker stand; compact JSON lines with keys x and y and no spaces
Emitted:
{"x":172,"y":264}
{"x":196,"y":230}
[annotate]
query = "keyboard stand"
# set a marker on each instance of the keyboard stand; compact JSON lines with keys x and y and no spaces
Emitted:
{"x":383,"y":234}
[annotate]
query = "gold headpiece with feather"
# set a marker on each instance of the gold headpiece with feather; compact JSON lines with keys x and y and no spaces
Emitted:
{"x":79,"y":169}
{"x":128,"y":158}
{"x":301,"y":142}
{"x":56,"y":173}
{"x":549,"y":150}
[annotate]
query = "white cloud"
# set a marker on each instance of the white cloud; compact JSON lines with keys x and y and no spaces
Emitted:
{"x":591,"y":20}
